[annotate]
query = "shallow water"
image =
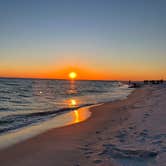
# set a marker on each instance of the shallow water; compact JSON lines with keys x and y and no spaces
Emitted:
{"x":68,"y":118}
{"x":25,"y":102}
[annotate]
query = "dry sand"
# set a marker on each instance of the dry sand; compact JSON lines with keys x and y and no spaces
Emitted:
{"x":131,"y":132}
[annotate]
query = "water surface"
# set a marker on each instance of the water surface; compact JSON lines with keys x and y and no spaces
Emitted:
{"x":26,"y":102}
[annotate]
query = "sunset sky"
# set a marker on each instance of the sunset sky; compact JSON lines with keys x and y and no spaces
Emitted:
{"x":98,"y":39}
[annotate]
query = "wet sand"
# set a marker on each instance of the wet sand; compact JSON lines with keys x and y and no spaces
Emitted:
{"x":129,"y":132}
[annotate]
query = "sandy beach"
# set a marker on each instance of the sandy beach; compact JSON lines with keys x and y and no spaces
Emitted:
{"x":131,"y":132}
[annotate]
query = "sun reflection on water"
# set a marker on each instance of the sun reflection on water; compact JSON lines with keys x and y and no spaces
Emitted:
{"x":72,"y":103}
{"x":80,"y":115}
{"x":72,"y":88}
{"x":76,"y":116}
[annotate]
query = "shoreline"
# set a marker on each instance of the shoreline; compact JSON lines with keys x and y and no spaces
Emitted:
{"x":82,"y":143}
{"x":65,"y":119}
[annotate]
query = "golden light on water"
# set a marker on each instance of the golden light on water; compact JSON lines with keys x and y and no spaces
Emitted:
{"x":72,"y":103}
{"x":77,"y":115}
{"x":72,"y":75}
{"x":80,"y":114}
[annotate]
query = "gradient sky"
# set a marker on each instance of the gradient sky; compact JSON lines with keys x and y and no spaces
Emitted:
{"x":99,"y":39}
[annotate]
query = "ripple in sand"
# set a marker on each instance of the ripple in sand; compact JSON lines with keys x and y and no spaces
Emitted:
{"x":97,"y":161}
{"x":137,"y":156}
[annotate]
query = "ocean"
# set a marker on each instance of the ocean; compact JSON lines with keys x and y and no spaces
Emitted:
{"x":27,"y":102}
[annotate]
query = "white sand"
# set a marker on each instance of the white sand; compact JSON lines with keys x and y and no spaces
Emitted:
{"x":124,"y":133}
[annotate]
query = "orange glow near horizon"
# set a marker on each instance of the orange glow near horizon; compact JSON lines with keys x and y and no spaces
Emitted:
{"x":83,"y":72}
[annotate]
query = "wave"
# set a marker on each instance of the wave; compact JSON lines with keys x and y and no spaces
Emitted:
{"x":5,"y":91}
{"x":13,"y":122}
{"x":51,"y":97}
{"x":4,"y":98}
{"x":5,"y":109}
{"x":95,"y":91}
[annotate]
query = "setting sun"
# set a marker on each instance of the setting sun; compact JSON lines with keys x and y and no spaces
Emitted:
{"x":72,"y":75}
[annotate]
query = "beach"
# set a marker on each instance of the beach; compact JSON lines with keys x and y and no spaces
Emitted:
{"x":130,"y":132}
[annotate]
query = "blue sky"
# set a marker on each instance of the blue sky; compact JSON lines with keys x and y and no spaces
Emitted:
{"x":108,"y":35}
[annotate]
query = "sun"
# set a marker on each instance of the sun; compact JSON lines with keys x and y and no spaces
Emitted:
{"x":72,"y":75}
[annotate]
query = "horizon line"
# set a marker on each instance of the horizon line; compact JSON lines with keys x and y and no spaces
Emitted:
{"x":65,"y":79}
